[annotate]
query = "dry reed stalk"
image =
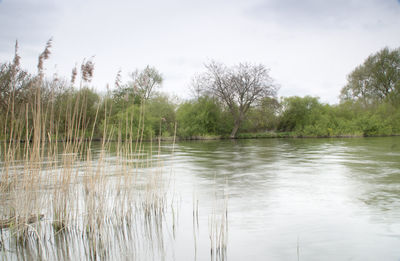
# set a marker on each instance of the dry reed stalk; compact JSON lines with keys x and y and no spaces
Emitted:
{"x":195,"y":224}
{"x":82,"y":203}
{"x":9,"y":152}
{"x":218,"y":230}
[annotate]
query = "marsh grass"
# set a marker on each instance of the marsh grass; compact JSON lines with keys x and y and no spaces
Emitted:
{"x":218,"y":226}
{"x":218,"y":232}
{"x":66,"y":198}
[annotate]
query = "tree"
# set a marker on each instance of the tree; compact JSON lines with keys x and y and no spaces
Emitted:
{"x":161,"y":114}
{"x":14,"y":85}
{"x":237,"y":87}
{"x":201,"y":116}
{"x":140,"y":88}
{"x":376,"y":80}
{"x":299,"y":112}
{"x":263,"y":116}
{"x":144,"y":82}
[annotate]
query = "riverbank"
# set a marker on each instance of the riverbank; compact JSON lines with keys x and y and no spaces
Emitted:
{"x":260,"y":135}
{"x":295,"y":135}
{"x":272,"y":135}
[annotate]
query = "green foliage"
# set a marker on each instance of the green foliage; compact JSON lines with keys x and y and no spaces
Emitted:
{"x":203,"y":116}
{"x":237,"y":87}
{"x":15,"y":93}
{"x":376,"y":80}
{"x":70,"y":104}
{"x":262,"y":117}
{"x":243,"y":100}
{"x":144,"y":82}
{"x":146,"y":119}
{"x":14,"y":86}
{"x":307,"y":117}
{"x":257,"y":135}
{"x":123,"y":97}
{"x":161,"y":112}
{"x":299,"y":113}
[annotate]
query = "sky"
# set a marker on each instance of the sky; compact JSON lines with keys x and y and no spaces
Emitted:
{"x":310,"y":46}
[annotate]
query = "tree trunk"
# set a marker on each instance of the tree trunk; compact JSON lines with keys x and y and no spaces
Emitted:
{"x":235,"y":129}
{"x":238,"y":118}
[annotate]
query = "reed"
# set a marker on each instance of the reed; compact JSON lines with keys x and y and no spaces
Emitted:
{"x":195,"y":224}
{"x":218,"y":229}
{"x":64,"y":197}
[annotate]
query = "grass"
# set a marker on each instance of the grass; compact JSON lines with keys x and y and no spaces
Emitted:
{"x":218,"y":231}
{"x":68,"y":198}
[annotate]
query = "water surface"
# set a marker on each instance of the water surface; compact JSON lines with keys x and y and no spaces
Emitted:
{"x":289,"y":199}
{"x":263,"y":199}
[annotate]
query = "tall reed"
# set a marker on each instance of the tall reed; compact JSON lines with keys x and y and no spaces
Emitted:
{"x":64,"y":197}
{"x":218,"y":230}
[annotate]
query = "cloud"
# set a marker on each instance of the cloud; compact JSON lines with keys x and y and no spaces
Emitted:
{"x":310,"y":45}
{"x":338,"y":14}
{"x":30,"y":22}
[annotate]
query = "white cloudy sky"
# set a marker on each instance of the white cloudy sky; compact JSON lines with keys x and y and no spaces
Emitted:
{"x":309,"y":45}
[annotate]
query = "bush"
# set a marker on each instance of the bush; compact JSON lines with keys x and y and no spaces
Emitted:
{"x":202,"y":117}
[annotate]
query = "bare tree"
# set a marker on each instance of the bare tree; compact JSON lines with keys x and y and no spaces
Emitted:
{"x":145,"y":81}
{"x":14,"y":86}
{"x":237,"y":87}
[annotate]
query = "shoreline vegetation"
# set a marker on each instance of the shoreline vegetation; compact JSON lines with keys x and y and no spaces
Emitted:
{"x":61,"y":200}
{"x":137,"y":109}
{"x":240,"y":136}
{"x":65,"y":199}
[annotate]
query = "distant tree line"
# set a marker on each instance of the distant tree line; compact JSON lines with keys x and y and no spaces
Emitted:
{"x":235,"y":101}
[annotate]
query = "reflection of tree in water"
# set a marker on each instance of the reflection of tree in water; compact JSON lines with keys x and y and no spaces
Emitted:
{"x":253,"y":165}
{"x":240,"y":164}
{"x":374,"y":164}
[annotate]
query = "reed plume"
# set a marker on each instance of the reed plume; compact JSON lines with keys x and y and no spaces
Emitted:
{"x":73,"y":75}
{"x":87,"y":70}
{"x":45,"y":55}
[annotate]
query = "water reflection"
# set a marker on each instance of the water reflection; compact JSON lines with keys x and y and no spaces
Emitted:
{"x":266,"y":199}
{"x":319,"y":190}
{"x":249,"y":165}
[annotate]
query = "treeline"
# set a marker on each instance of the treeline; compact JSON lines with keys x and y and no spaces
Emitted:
{"x":238,"y":101}
{"x":370,"y":103}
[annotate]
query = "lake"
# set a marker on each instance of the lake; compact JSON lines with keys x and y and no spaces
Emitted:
{"x":260,"y":199}
{"x":289,"y":199}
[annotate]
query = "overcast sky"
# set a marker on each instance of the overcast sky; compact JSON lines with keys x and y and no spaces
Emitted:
{"x":310,"y":46}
